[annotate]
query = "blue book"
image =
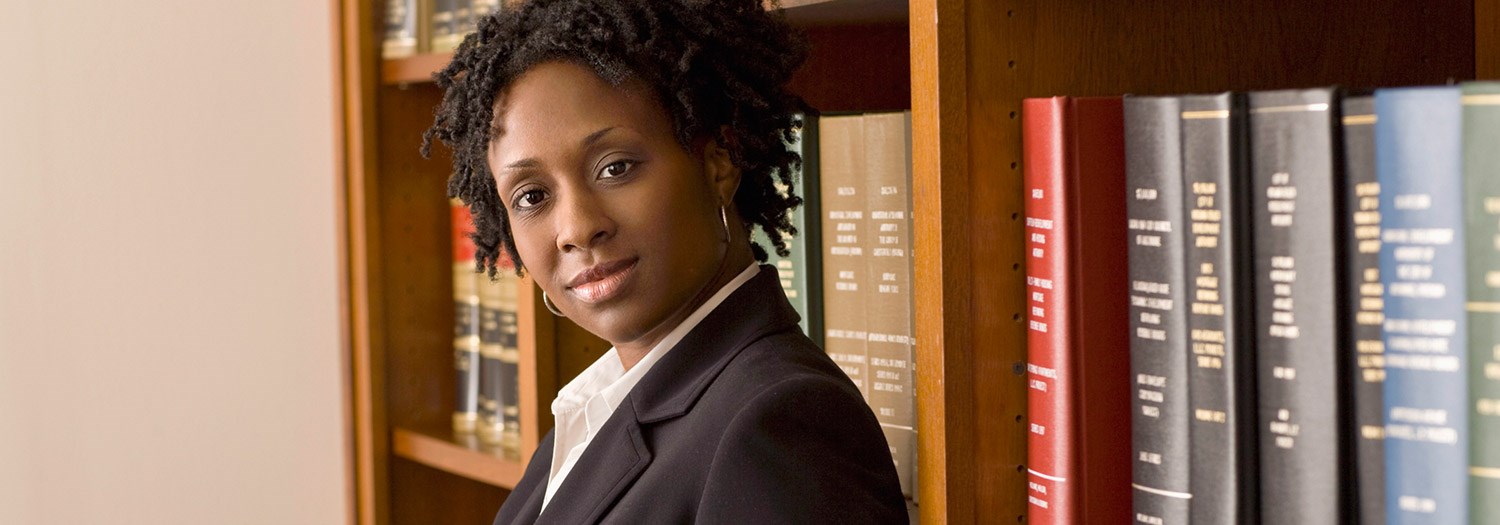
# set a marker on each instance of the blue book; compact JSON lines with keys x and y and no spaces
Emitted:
{"x":1418,"y":161}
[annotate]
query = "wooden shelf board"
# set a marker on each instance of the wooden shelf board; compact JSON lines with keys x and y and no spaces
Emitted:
{"x":419,"y":68}
{"x":461,"y":455}
{"x":844,"y":12}
{"x":414,"y":69}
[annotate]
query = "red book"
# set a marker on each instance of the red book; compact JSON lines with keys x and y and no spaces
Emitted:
{"x":466,"y":411}
{"x":1078,"y":345}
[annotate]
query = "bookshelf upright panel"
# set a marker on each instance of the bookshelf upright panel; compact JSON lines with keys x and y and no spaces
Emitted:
{"x":358,"y":58}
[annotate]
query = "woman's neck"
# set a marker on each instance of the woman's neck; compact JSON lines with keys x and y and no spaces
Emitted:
{"x":735,"y":261}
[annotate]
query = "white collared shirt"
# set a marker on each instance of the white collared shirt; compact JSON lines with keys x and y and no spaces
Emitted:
{"x":587,"y":401}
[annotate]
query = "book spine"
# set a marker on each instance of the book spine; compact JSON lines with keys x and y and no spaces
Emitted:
{"x":1078,"y":358}
{"x":888,"y":312}
{"x":1100,"y":362}
{"x":1050,"y":497}
{"x":463,"y":20}
{"x":1365,"y":306}
{"x":801,"y":271}
{"x":809,"y":238}
{"x":483,"y":9}
{"x":1220,"y":371}
{"x":440,"y":26}
{"x":1481,"y":116}
{"x":400,"y":29}
{"x":841,"y":141}
{"x":509,"y":358}
{"x":1418,"y":160}
{"x":465,"y":320}
{"x":1298,"y":286}
{"x":1158,"y":345}
{"x":492,"y":379}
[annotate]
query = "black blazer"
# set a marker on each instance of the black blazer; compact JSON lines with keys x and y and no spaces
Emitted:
{"x":744,"y":421}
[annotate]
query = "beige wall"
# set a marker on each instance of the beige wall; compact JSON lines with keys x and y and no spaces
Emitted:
{"x":169,"y":316}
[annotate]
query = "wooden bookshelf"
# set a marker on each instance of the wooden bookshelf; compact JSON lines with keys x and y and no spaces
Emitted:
{"x":962,"y":67}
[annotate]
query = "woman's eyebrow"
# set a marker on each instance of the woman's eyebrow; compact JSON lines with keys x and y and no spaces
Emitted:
{"x":595,"y":136}
{"x":532,"y":163}
{"x":522,"y":164}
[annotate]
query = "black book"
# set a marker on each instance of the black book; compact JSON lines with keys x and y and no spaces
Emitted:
{"x":509,"y":362}
{"x":1220,"y":322}
{"x":499,"y":392}
{"x":1298,"y":201}
{"x":1365,"y":306}
{"x":491,"y":376}
{"x":1158,"y":316}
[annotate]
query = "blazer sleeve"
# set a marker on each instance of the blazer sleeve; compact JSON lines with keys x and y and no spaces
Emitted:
{"x":804,"y":450}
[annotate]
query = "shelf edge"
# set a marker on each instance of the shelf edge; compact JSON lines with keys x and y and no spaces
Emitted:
{"x":455,"y":458}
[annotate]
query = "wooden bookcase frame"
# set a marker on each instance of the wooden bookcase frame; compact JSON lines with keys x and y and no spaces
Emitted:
{"x":962,"y":67}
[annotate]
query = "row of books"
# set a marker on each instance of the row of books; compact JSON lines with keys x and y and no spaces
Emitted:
{"x":431,"y":26}
{"x":863,"y":205}
{"x":1290,"y":298}
{"x":486,"y":351}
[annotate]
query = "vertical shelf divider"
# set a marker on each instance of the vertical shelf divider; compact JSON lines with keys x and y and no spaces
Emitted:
{"x":538,"y":367}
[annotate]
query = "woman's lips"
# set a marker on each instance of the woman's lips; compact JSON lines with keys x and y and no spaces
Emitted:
{"x":599,"y":283}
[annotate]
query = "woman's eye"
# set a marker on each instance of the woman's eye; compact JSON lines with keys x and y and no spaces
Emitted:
{"x":528,"y":199}
{"x":616,"y":169}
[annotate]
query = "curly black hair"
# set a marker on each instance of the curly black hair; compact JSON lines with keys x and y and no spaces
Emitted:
{"x":719,"y":68}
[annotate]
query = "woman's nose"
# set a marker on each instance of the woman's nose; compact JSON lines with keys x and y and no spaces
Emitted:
{"x":582,"y":222}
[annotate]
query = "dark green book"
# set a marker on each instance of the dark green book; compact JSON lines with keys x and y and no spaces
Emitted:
{"x":1481,"y":161}
{"x":801,"y":270}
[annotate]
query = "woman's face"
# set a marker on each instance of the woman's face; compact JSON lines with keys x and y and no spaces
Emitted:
{"x":610,"y":215}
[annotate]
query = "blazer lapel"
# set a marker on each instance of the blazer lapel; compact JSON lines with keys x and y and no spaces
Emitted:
{"x":533,"y":505}
{"x":759,"y":308}
{"x":533,"y":486}
{"x":614,"y":459}
{"x":618,"y":454}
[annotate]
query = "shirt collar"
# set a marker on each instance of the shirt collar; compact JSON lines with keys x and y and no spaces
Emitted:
{"x":607,"y":377}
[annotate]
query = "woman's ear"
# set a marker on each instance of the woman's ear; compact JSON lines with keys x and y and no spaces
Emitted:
{"x":718,"y":166}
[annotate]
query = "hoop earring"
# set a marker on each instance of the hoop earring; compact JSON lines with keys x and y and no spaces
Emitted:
{"x":724,"y":217}
{"x":548,"y":303}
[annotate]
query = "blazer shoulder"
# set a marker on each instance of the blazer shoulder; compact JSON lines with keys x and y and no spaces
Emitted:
{"x":771,"y":360}
{"x":803,"y":447}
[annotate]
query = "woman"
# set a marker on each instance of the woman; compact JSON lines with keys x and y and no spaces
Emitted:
{"x":621,"y":151}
